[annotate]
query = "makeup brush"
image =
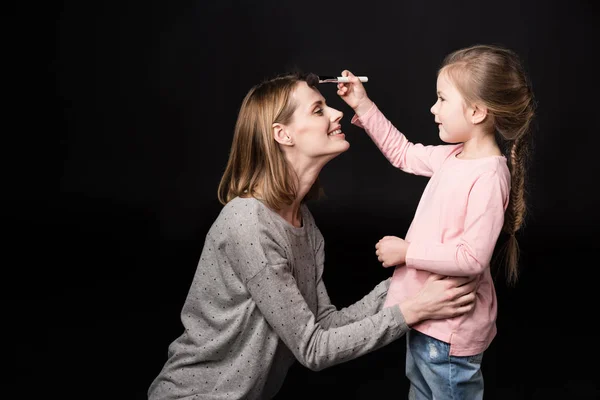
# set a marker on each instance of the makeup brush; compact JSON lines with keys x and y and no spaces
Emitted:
{"x":340,"y":79}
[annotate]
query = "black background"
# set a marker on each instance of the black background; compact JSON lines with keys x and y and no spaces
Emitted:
{"x":116,"y":185}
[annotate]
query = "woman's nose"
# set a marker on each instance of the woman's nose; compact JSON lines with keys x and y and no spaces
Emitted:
{"x":336,"y":115}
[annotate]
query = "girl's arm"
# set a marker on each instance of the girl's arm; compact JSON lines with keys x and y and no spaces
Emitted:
{"x":483,"y":221}
{"x":413,"y":158}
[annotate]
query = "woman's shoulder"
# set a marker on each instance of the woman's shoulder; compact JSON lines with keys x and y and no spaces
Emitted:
{"x":242,"y":210}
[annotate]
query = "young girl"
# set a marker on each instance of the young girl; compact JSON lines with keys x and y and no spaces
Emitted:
{"x":484,"y":101}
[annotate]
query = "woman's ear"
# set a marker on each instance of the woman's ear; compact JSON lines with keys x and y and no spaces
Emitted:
{"x":478,"y":114}
{"x":281,"y":135}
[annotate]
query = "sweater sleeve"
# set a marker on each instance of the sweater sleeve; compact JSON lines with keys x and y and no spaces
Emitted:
{"x":279,"y":300}
{"x":275,"y":292}
{"x":472,"y":253}
{"x":413,"y":158}
{"x":328,"y":316}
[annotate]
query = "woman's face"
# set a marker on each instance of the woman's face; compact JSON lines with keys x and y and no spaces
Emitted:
{"x":314,"y":131}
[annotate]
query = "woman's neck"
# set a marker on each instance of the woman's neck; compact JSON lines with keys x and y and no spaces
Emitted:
{"x":307,"y":176}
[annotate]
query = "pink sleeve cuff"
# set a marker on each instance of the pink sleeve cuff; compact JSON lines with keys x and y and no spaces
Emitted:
{"x":358,"y":121}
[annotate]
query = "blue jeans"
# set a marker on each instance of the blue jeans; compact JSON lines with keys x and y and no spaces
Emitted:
{"x":436,"y":375}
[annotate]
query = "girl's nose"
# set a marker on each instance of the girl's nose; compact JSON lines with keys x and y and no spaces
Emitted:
{"x":432,"y":109}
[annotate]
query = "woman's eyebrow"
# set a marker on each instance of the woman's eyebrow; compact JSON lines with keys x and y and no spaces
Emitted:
{"x":317,"y":103}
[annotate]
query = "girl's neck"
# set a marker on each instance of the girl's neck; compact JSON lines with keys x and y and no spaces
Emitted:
{"x":480,"y":146}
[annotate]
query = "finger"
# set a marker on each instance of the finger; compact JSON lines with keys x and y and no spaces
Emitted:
{"x":469,"y":286}
{"x":463,"y":290}
{"x":383,"y":264}
{"x":458,"y":281}
{"x":463,"y":309}
{"x":466,"y":299}
{"x":436,"y":277}
{"x":345,"y":72}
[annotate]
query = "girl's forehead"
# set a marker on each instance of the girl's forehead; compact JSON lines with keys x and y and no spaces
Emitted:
{"x":443,"y":79}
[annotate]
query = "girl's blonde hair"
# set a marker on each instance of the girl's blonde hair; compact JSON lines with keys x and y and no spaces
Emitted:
{"x":494,"y":76}
{"x":257,"y":165}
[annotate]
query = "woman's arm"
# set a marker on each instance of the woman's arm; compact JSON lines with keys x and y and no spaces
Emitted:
{"x":278,"y":298}
{"x":328,"y":315}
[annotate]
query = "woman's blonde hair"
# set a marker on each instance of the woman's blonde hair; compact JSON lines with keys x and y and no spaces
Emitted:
{"x":494,"y":76}
{"x":257,"y":165}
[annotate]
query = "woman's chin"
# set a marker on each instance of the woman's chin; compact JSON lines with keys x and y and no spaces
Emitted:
{"x":342,"y":147}
{"x":345,"y":146}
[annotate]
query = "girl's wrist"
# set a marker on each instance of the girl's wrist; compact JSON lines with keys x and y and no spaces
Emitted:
{"x":363,"y":107}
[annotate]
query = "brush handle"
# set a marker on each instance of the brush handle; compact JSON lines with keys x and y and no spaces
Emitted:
{"x":344,"y":79}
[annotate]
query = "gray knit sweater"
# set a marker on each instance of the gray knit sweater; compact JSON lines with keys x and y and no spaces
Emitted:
{"x":257,"y":302}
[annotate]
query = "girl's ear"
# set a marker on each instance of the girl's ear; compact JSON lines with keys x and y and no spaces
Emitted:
{"x":477,"y":114}
{"x":281,"y":135}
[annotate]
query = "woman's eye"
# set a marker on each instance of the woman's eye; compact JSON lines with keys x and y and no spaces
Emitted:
{"x":319,"y":111}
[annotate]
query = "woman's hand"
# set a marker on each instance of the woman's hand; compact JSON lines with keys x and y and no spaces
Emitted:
{"x":391,"y":250}
{"x":354,"y":94}
{"x":441,"y":297}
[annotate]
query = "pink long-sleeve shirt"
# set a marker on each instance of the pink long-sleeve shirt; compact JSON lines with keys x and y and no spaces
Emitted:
{"x":454,"y":230}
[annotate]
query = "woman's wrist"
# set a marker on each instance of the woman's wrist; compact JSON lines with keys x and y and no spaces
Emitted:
{"x":412,"y":314}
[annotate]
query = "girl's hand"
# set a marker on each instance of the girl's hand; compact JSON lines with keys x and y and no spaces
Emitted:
{"x":354,"y":94}
{"x":391,"y":250}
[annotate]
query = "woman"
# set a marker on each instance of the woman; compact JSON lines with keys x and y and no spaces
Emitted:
{"x":258,"y":301}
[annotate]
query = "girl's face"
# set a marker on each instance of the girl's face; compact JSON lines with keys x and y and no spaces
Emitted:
{"x":451,"y":112}
{"x":315,"y":130}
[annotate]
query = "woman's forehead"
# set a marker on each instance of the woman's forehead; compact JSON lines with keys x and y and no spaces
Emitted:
{"x":305,"y":94}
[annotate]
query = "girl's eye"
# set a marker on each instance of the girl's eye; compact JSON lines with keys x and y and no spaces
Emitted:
{"x":319,"y":111}
{"x":441,"y":98}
